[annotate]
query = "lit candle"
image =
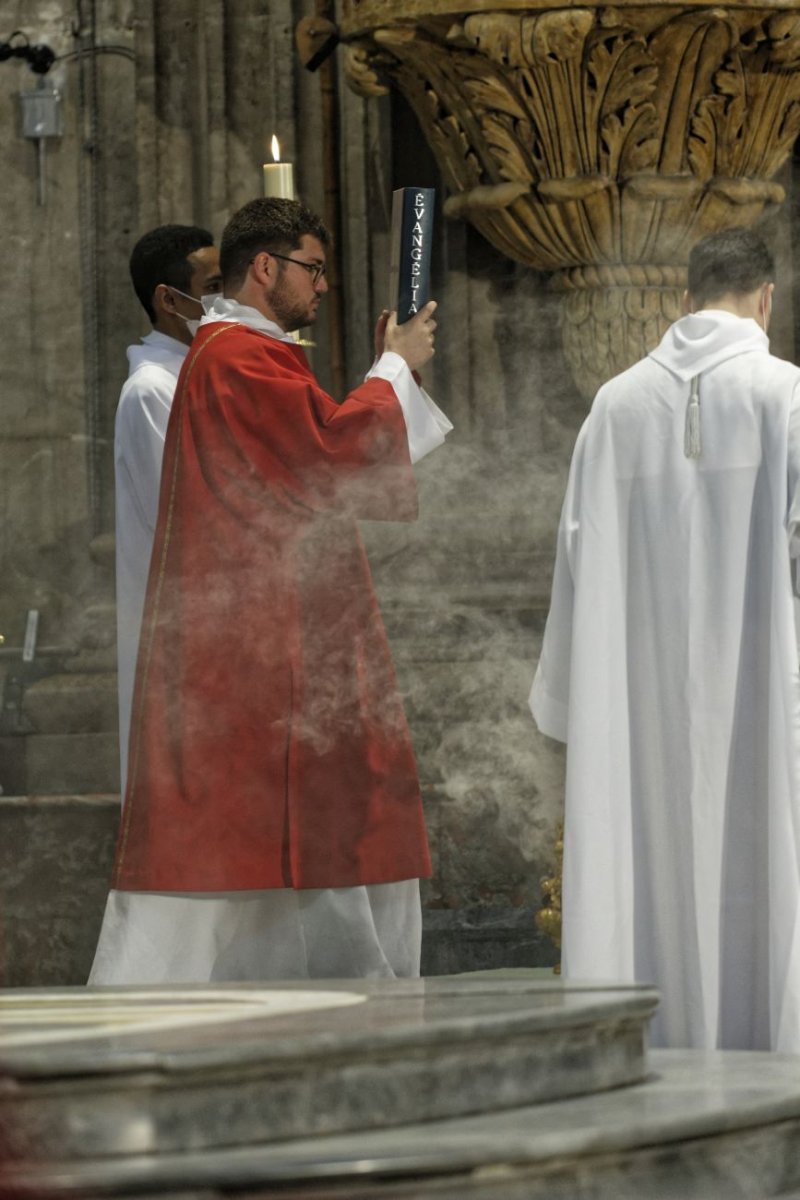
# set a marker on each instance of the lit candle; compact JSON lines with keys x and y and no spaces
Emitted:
{"x":278,"y":176}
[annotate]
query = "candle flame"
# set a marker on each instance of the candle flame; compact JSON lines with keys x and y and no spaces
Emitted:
{"x":276,"y":149}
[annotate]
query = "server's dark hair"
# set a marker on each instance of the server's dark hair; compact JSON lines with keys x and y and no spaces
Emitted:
{"x":267,"y":224}
{"x":161,"y":256}
{"x":735,"y":260}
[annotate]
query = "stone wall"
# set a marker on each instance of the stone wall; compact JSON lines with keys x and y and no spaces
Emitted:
{"x":166,"y":111}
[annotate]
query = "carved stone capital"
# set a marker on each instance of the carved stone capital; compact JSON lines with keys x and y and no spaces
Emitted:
{"x":607,"y":136}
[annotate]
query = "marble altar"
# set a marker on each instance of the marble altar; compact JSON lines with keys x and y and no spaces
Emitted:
{"x":100,"y":1072}
{"x":460,"y":1088}
{"x":721,"y":1126}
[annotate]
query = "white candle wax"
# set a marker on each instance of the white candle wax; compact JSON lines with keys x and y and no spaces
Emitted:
{"x":279,"y":180}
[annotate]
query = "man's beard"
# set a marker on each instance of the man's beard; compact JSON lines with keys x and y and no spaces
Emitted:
{"x":290,"y":314}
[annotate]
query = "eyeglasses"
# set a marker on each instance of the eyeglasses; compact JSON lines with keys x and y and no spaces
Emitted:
{"x":315,"y":270}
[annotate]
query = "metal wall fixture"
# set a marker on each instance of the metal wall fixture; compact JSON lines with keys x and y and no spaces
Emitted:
{"x":41,"y":108}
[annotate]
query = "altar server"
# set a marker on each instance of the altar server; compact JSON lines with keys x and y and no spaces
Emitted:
{"x":172,"y":268}
{"x":669,"y":667}
{"x":273,"y":823}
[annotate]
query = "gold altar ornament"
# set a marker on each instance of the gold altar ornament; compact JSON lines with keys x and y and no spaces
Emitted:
{"x":597,"y":143}
{"x":548,"y":917}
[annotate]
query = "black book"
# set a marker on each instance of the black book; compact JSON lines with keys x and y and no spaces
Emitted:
{"x":412,"y":242}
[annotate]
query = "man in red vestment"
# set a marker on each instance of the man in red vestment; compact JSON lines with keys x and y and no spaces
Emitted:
{"x":272,"y":824}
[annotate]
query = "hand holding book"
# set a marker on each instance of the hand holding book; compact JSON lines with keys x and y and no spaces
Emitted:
{"x":413,"y":340}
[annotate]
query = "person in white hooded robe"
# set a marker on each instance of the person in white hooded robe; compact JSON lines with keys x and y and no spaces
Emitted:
{"x":669,"y":667}
{"x":171,"y":268}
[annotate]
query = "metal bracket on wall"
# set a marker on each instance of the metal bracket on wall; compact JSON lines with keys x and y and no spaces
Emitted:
{"x":42,"y":118}
{"x":41,"y":108}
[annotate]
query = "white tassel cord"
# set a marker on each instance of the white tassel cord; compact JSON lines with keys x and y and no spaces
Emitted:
{"x":692,"y":445}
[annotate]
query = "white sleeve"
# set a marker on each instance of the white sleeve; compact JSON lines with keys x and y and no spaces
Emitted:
{"x":550,"y":694}
{"x":793,"y":518}
{"x":426,"y":424}
{"x":141,"y":428}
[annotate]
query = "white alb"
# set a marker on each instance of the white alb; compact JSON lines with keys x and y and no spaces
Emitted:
{"x":669,"y":667}
{"x":139,"y":431}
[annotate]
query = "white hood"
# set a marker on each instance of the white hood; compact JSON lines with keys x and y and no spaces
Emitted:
{"x":701,"y":340}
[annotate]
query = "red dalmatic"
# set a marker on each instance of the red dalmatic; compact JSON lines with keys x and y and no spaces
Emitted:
{"x":268,"y":745}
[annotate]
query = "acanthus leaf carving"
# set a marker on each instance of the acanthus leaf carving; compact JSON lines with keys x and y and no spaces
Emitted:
{"x":509,"y":154}
{"x":632,"y":79}
{"x":557,"y":36}
{"x":360,"y":72}
{"x":790,"y":129}
{"x":702,"y":141}
{"x":640,"y":145}
{"x":783,"y":31}
{"x":498,"y":36}
{"x":450,"y":143}
{"x":716,"y":130}
{"x":621,"y":79}
{"x":623,"y":133}
{"x":627,"y":117}
{"x":492,"y":95}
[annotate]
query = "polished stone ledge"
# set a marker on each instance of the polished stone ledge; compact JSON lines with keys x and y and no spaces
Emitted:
{"x":722,"y":1126}
{"x":411,"y":1050}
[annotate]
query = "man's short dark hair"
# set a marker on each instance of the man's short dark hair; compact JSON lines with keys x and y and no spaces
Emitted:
{"x":162,"y":256}
{"x":734,"y":261}
{"x":267,"y":224}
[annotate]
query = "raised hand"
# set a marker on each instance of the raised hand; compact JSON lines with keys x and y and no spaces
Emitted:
{"x":413,"y":340}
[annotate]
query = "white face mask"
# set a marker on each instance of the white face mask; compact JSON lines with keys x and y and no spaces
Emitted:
{"x":191,"y":323}
{"x":205,"y":302}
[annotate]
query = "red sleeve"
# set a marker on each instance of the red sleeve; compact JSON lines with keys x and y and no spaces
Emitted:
{"x":256,"y":419}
